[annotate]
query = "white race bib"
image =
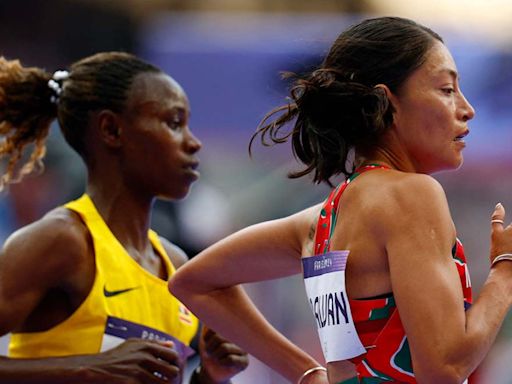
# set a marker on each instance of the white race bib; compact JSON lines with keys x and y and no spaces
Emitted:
{"x":324,"y":278}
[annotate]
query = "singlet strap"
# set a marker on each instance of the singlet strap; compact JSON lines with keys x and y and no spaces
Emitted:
{"x":328,"y":214}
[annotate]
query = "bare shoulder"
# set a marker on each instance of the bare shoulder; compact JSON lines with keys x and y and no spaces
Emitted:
{"x":60,"y":234}
{"x":403,"y":182}
{"x":407,"y":201}
{"x":177,"y":256}
{"x":419,"y":192}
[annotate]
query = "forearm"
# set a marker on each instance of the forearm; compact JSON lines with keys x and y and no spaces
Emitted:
{"x":231,"y":313}
{"x":460,"y":352}
{"x":64,"y":370}
{"x":485,"y":317}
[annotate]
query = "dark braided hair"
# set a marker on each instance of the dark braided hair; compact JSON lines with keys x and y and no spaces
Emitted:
{"x":337,"y":108}
{"x":28,"y":105}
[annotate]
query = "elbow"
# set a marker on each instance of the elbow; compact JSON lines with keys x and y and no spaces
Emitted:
{"x":187,"y":286}
{"x":178,"y":286}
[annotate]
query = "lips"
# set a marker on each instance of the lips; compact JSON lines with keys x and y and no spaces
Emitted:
{"x":191,"y":169}
{"x":193,"y":165}
{"x":462,"y":135}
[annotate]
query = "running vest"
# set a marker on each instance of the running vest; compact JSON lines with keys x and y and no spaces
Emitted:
{"x":125,"y":301}
{"x":387,"y":358}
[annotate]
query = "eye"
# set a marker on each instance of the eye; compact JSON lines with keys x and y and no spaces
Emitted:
{"x":176,"y":119}
{"x":448,"y":90}
{"x":173,"y":123}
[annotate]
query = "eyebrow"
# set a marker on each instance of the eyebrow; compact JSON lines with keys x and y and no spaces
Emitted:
{"x":159,"y":105}
{"x":451,"y":72}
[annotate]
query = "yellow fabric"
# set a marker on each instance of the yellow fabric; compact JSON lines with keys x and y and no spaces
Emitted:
{"x":149,"y":304}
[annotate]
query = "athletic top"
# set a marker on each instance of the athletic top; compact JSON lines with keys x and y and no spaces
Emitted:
{"x":125,"y":301}
{"x":377,"y":321}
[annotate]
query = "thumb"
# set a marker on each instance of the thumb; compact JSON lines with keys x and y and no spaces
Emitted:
{"x":166,"y":343}
{"x":498,"y":216}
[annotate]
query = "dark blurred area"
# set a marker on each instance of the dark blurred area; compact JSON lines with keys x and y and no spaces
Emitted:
{"x":54,"y":33}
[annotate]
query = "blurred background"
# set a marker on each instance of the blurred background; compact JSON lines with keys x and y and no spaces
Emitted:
{"x":228,"y":54}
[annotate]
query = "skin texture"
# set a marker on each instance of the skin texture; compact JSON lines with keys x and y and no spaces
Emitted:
{"x":145,"y":151}
{"x":398,"y":243}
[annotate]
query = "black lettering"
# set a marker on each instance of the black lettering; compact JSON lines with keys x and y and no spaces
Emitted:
{"x":330,"y":309}
{"x":341,"y":306}
{"x":314,"y":306}
{"x":323,"y":311}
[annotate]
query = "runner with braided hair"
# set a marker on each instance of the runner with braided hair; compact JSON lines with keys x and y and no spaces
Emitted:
{"x":84,"y":289}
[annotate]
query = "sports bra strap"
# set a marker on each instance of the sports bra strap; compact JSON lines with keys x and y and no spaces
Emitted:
{"x":328,"y":214}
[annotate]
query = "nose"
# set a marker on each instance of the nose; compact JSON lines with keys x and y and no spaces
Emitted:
{"x":467,"y":110}
{"x":192,"y":143}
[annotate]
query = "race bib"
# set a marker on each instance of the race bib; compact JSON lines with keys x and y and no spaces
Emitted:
{"x":324,"y":278}
{"x":118,"y":330}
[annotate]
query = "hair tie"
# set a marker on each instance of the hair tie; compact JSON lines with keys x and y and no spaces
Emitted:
{"x":55,"y":84}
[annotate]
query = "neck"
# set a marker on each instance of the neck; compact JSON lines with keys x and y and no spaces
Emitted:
{"x":127,"y":215}
{"x":388,"y":158}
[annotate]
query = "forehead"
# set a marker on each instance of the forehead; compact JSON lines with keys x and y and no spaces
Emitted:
{"x":438,"y":63}
{"x":156,"y":89}
{"x":439,"y":58}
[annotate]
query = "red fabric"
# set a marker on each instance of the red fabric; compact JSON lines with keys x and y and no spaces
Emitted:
{"x":377,"y":321}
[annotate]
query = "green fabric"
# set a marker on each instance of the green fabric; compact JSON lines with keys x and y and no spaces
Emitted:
{"x":384,"y":312}
{"x":350,"y":381}
{"x":403,"y":358}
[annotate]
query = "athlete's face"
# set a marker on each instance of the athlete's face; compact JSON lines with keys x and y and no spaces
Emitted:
{"x":161,"y":149}
{"x":432,"y":113}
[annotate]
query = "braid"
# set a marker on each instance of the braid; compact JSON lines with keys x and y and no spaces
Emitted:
{"x":26,"y":112}
{"x":29,"y":102}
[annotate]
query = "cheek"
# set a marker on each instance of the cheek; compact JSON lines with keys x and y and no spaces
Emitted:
{"x":432,"y":121}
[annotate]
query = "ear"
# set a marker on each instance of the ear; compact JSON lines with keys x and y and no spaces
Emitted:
{"x":109,"y":127}
{"x":384,"y":88}
{"x":390,"y":95}
{"x":393,"y":100}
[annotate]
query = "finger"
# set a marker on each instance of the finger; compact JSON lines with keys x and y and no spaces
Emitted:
{"x":213,"y":343}
{"x":166,"y":343}
{"x":236,"y":362}
{"x":170,"y":355}
{"x":162,"y":370}
{"x":207,"y":334}
{"x":498,"y":217}
{"x":226,"y":349}
{"x":154,"y":377}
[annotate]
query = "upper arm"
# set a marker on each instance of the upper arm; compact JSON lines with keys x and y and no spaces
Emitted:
{"x":418,"y":237}
{"x":263,"y":251}
{"x":33,"y":260}
{"x":177,"y":256}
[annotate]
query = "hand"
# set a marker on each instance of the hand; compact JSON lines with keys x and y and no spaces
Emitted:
{"x":135,"y":361}
{"x":220,"y":359}
{"x":501,"y":238}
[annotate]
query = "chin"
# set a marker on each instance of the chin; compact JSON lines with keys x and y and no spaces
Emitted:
{"x":452,"y":166}
{"x":459,"y":162}
{"x":174,"y":195}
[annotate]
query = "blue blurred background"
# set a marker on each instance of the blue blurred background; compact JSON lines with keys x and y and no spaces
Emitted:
{"x":228,"y":54}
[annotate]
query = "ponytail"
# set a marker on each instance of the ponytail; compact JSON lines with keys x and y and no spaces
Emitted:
{"x":334,"y":114}
{"x":26,"y":112}
{"x":338,"y":109}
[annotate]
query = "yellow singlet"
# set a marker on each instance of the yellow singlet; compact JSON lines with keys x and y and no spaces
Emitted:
{"x":125,"y":301}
